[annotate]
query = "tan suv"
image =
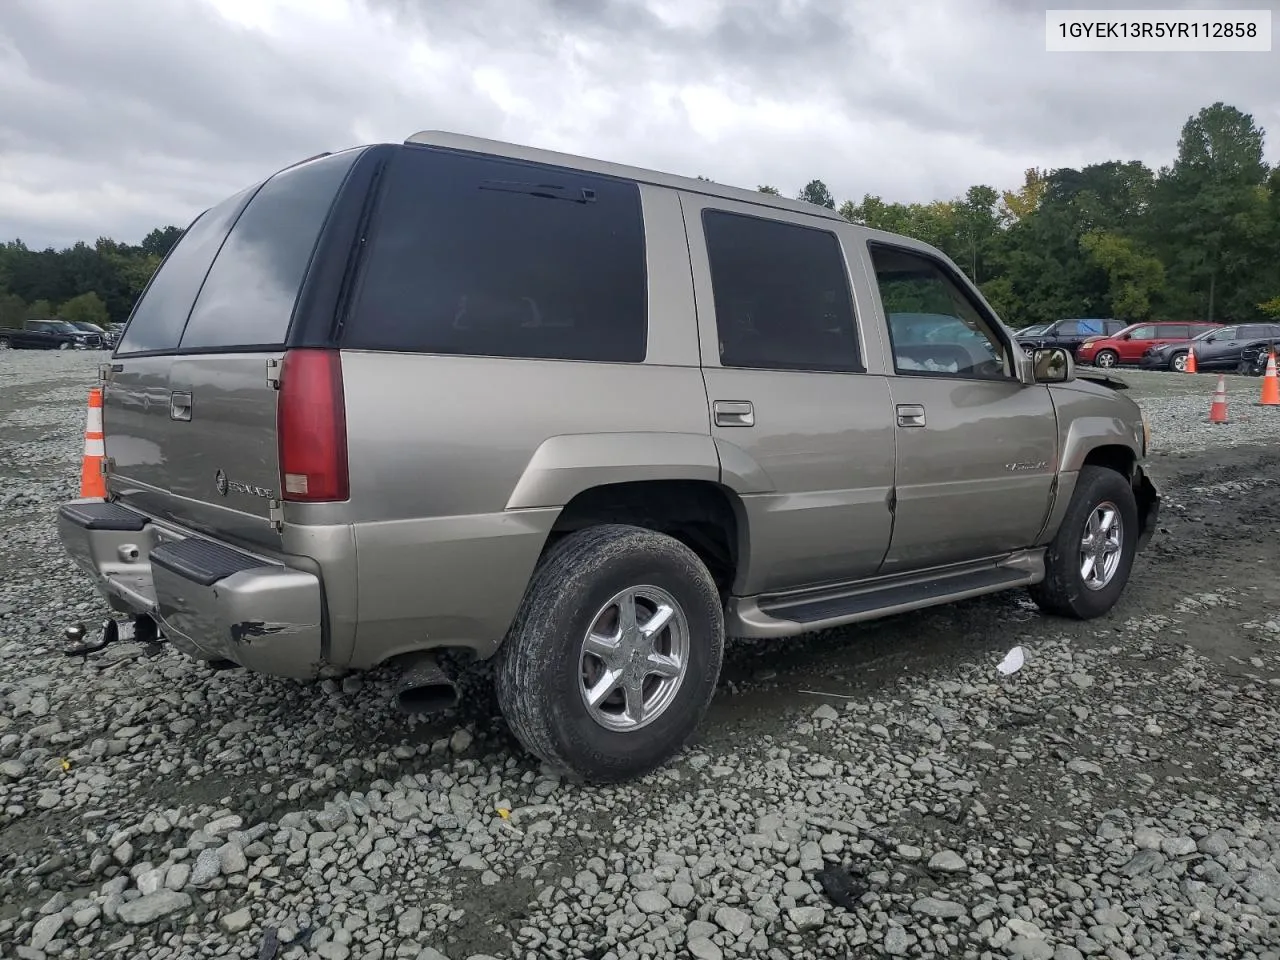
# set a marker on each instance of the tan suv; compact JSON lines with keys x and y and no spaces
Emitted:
{"x":587,"y":420}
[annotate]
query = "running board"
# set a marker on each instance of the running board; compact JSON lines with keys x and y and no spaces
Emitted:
{"x":790,"y":614}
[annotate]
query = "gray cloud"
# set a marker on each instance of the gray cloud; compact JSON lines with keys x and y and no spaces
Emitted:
{"x":119,"y":117}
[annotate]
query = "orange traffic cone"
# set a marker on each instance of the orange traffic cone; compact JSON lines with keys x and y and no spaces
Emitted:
{"x":1218,"y":409}
{"x":1191,"y":361}
{"x":1270,"y":383}
{"x":92,"y":485}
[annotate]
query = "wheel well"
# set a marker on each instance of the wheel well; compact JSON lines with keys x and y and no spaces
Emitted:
{"x":701,"y":515}
{"x":1117,"y":458}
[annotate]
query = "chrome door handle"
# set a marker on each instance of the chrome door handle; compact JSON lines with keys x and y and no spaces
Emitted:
{"x":910,"y":415}
{"x":734,"y":413}
{"x":179,"y":406}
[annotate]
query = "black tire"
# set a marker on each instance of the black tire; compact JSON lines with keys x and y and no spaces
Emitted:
{"x":1178,"y":362}
{"x":1063,"y":591}
{"x":539,"y":668}
{"x":1106,"y":359}
{"x":4,"y":343}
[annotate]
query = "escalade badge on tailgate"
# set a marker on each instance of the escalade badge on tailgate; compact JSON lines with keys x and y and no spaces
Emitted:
{"x":224,"y":486}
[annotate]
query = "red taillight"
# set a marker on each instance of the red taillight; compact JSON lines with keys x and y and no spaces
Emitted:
{"x":311,"y":426}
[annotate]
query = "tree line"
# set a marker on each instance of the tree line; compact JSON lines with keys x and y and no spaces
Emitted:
{"x":1196,"y":240}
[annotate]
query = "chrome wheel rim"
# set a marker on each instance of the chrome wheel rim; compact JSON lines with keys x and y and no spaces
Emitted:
{"x":1106,"y":359}
{"x":1180,"y":363}
{"x":1101,"y":546}
{"x":634,"y":658}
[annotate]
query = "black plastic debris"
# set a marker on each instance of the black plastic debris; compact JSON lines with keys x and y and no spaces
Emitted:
{"x":270,"y":944}
{"x":841,"y":887}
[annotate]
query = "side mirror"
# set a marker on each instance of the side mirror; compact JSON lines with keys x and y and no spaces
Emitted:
{"x":1127,"y":336}
{"x":1053,"y":365}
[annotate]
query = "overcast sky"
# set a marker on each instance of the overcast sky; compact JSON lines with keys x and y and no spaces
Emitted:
{"x":117,"y":116}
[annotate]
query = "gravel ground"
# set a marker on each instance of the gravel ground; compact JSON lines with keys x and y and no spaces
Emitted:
{"x":880,"y":791}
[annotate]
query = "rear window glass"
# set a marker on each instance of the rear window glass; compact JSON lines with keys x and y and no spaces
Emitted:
{"x":162,"y":312}
{"x":781,"y":295}
{"x":487,"y":257}
{"x":249,"y":295}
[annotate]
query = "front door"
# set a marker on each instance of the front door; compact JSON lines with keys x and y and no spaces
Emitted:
{"x":977,"y":448}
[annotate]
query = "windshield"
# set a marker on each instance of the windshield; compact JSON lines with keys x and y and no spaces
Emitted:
{"x":1035,"y":328}
{"x":57,"y":326}
{"x":86,"y":326}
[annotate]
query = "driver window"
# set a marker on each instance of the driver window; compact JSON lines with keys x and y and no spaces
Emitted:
{"x":935,"y":328}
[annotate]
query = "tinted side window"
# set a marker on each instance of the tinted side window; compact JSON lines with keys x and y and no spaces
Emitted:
{"x":1176,"y":331}
{"x":781,"y":295}
{"x":1070,"y":328}
{"x":1250,"y":330}
{"x":960,"y":340}
{"x":487,"y":257}
{"x":158,"y":318}
{"x":248,"y":297}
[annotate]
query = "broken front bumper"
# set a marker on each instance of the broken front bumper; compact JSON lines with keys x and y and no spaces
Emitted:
{"x":212,"y":601}
{"x":1148,"y":500}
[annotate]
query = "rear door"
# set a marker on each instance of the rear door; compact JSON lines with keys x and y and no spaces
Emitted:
{"x":793,"y":408}
{"x":139,"y":434}
{"x":224,"y":469}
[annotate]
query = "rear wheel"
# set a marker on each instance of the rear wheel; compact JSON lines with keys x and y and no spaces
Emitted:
{"x":4,"y":343}
{"x":1106,"y":358}
{"x":1088,"y":562}
{"x":614,"y":655}
{"x":1178,"y":363}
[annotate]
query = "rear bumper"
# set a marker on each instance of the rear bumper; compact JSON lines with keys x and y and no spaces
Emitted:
{"x":212,"y":601}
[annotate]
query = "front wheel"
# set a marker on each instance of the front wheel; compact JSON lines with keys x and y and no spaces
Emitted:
{"x":614,"y":655}
{"x":4,"y":343}
{"x":1088,"y":562}
{"x":1178,"y":363}
{"x":64,"y":346}
{"x":1106,"y":359}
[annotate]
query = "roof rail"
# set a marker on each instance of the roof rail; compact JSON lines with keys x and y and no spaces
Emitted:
{"x":511,"y":151}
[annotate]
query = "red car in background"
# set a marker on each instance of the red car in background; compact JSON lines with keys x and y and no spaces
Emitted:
{"x":1132,"y":342}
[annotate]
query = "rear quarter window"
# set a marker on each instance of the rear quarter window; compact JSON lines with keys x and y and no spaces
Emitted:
{"x":488,"y":257}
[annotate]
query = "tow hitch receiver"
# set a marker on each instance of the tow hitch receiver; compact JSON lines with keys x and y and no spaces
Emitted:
{"x":81,"y":643}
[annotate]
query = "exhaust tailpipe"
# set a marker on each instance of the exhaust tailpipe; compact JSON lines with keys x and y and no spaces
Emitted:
{"x":424,"y":687}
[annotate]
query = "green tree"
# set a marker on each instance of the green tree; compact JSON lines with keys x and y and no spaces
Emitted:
{"x":86,"y":308}
{"x":1208,"y":214}
{"x":772,"y":191}
{"x":1135,"y":277}
{"x":1017,"y":205}
{"x":161,"y":240}
{"x":13,"y":310}
{"x":40,"y":310}
{"x":817,"y":192}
